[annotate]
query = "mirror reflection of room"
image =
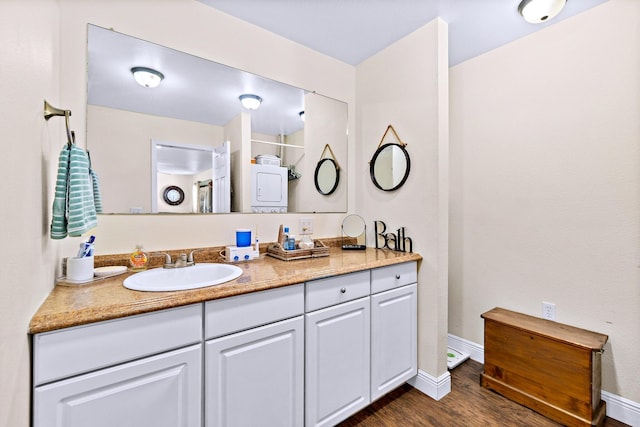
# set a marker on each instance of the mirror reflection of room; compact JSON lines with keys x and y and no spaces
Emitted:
{"x":127,"y":120}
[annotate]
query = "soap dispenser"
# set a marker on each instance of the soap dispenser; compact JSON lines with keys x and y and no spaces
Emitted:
{"x":139,"y":259}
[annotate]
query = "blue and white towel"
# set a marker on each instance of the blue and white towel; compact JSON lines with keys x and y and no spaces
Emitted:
{"x":77,"y":196}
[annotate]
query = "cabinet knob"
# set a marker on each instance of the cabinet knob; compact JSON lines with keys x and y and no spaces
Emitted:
{"x":398,"y":276}
{"x":343,"y":290}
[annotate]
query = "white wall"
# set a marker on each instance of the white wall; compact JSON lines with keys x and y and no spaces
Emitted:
{"x":325,"y":123}
{"x":120,"y":144}
{"x":406,"y":86}
{"x":30,"y":146}
{"x":44,"y":57}
{"x":545,"y":200}
{"x":192,"y":27}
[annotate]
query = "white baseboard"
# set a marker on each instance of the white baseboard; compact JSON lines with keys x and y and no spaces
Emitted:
{"x":618,"y":407}
{"x":435,"y":388}
{"x":621,"y":409}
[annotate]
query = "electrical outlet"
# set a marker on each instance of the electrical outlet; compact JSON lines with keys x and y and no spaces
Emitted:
{"x":305,"y":225}
{"x":548,"y":310}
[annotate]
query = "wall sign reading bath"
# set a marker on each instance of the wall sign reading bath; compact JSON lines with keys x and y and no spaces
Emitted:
{"x":396,"y":242}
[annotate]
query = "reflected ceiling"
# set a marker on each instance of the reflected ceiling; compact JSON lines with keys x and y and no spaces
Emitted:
{"x":193,"y":88}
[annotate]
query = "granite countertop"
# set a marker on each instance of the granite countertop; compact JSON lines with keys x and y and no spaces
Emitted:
{"x":105,"y":299}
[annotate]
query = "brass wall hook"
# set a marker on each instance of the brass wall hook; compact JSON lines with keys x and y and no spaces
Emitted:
{"x":51,"y":111}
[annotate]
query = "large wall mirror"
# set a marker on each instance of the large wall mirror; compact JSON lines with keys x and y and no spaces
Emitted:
{"x":192,"y":132}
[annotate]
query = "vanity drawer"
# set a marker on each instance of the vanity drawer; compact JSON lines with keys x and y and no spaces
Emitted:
{"x":393,"y":276}
{"x":67,"y":352}
{"x":227,"y":315}
{"x":335,"y":290}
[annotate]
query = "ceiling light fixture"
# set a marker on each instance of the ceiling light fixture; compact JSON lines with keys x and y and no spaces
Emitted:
{"x":539,"y":11}
{"x":301,"y":114}
{"x":250,"y":102}
{"x":147,"y":77}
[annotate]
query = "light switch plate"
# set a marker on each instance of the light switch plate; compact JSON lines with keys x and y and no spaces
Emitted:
{"x":305,"y":226}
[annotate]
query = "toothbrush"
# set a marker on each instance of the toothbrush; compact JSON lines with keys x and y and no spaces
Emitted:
{"x":86,"y":248}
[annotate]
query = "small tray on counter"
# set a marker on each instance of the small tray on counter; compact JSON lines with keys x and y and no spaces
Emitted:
{"x":277,"y":251}
{"x":98,"y":274}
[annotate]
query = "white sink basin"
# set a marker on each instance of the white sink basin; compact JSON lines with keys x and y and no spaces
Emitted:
{"x":179,"y":279}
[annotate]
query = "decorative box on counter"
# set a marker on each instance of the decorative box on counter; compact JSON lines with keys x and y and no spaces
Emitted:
{"x":277,"y":251}
{"x":546,"y":366}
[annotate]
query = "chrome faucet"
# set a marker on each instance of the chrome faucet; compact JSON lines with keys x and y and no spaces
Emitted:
{"x":181,"y":262}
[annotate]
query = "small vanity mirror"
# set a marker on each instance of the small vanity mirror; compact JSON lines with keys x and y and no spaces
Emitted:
{"x":353,"y":226}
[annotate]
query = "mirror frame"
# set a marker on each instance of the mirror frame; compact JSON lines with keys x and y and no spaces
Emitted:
{"x":315,"y":177}
{"x":360,"y":234}
{"x":372,"y":164}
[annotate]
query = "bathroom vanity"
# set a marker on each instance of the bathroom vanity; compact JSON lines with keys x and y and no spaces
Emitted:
{"x":286,"y":344}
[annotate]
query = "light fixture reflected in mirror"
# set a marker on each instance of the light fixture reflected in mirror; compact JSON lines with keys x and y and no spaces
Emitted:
{"x":250,"y":101}
{"x":147,"y":77}
{"x":539,"y":11}
{"x":301,"y":114}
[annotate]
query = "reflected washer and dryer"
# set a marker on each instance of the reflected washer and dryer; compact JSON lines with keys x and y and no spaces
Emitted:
{"x":269,"y":188}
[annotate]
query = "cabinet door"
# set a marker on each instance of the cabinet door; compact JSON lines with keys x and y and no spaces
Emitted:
{"x":256,"y":377}
{"x":160,"y":391}
{"x":393,"y":339}
{"x":337,"y":362}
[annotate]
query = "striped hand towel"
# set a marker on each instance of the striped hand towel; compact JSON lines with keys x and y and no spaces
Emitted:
{"x":74,"y":210}
{"x":97,"y":199}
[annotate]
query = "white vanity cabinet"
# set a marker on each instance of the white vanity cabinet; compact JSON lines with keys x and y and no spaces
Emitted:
{"x":361,"y":340}
{"x":309,"y":354}
{"x":254,"y":360}
{"x":337,"y":348}
{"x":393,"y":327}
{"x":140,"y":370}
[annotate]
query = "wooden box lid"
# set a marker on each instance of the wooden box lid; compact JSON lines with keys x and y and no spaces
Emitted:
{"x":553,"y":330}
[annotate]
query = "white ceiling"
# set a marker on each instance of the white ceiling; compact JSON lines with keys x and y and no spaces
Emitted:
{"x":353,"y":30}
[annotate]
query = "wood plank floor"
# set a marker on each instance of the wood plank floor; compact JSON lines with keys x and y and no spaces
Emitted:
{"x":468,"y":405}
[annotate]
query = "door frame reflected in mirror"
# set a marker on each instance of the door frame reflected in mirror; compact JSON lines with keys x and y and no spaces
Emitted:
{"x":156,"y":168}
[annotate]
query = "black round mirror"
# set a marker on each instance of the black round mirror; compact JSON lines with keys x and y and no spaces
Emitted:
{"x":327,"y":176}
{"x":390,"y":166}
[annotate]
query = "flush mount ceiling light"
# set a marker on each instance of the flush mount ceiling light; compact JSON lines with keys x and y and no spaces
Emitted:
{"x":250,"y":102}
{"x":301,"y":114}
{"x":147,"y":77}
{"x":538,"y":11}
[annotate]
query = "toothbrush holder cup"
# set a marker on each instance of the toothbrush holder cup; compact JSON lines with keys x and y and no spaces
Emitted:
{"x":80,"y":269}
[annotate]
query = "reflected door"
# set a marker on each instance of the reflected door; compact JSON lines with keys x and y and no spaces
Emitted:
{"x":222,"y":178}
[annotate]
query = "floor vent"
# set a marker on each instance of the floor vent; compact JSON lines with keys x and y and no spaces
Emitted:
{"x":455,"y":357}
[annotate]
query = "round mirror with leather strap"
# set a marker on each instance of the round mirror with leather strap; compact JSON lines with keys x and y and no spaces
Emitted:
{"x":390,"y":166}
{"x":327,"y":176}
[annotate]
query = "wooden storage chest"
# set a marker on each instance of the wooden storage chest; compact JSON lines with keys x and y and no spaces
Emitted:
{"x":549,"y":367}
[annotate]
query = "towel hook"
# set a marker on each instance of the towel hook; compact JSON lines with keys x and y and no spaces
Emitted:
{"x":51,"y":111}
